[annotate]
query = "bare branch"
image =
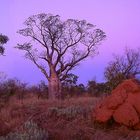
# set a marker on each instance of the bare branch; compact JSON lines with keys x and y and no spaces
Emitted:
{"x":27,"y":47}
{"x":65,"y":43}
{"x":123,"y":67}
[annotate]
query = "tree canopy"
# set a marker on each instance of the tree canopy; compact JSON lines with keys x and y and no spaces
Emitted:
{"x":57,"y":46}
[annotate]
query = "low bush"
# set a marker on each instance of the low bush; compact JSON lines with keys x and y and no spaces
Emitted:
{"x":30,"y":132}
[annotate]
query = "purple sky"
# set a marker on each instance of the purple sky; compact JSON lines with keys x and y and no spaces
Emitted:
{"x":120,"y":19}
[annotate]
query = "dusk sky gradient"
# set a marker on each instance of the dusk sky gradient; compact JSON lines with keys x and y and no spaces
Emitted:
{"x":119,"y":19}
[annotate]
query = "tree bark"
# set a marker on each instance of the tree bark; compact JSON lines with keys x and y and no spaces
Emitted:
{"x":54,"y":87}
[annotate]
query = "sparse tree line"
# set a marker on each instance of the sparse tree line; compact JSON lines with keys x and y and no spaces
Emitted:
{"x":56,"y":47}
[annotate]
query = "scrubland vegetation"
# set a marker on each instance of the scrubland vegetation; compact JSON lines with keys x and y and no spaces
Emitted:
{"x":27,"y":112}
{"x":62,"y":109}
{"x":33,"y":118}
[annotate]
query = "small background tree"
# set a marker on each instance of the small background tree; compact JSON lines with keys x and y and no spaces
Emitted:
{"x":57,"y":46}
{"x":3,"y":40}
{"x":123,"y":67}
{"x":96,"y":89}
{"x":70,"y":87}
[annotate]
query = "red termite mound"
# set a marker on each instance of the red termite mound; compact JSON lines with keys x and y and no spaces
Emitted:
{"x":123,"y":105}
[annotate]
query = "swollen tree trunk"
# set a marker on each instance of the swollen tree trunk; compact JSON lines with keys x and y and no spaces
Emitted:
{"x":54,"y":87}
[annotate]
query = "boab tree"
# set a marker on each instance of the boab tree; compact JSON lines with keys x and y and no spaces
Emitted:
{"x":3,"y":40}
{"x":123,"y":67}
{"x":57,"y":46}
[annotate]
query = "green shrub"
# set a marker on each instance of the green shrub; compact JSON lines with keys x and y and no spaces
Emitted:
{"x":70,"y":112}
